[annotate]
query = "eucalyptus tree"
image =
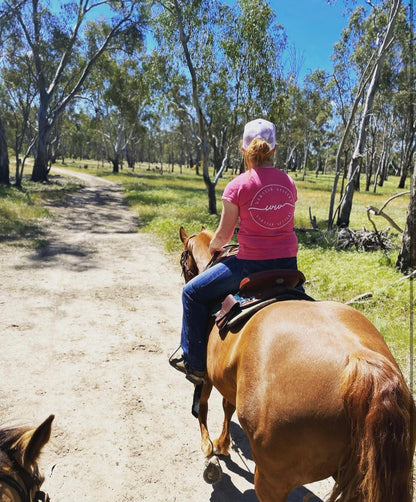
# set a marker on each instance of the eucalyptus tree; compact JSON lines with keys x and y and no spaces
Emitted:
{"x":404,"y":97}
{"x":392,"y":129}
{"x":230,"y":55}
{"x":291,"y":126}
{"x":4,"y":157}
{"x":172,"y":103}
{"x":315,"y":112}
{"x":249,"y":79}
{"x":253,"y":48}
{"x":190,"y":25}
{"x":120,"y":91}
{"x":54,"y":37}
{"x":369,"y":38}
{"x":18,"y":94}
{"x":406,"y":259}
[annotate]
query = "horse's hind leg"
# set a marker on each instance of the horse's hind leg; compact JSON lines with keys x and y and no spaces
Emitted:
{"x":222,"y":444}
{"x":206,"y":444}
{"x":268,"y":491}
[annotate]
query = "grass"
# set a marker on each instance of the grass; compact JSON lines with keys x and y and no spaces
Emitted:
{"x":166,"y":202}
{"x":23,"y":212}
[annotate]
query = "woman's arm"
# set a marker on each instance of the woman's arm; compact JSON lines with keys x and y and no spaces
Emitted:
{"x":225,"y":230}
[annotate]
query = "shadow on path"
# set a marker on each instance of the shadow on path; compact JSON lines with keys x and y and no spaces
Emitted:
{"x":96,"y":209}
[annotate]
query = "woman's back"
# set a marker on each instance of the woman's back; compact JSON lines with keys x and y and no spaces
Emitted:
{"x":266,"y":199}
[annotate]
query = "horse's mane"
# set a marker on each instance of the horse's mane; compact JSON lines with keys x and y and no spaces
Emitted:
{"x":14,"y":441}
{"x":9,"y":437}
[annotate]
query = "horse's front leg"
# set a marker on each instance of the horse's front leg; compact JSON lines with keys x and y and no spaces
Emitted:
{"x":212,"y":470}
{"x":222,"y":444}
{"x":206,"y":444}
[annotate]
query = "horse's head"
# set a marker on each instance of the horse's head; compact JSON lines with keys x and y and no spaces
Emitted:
{"x":195,"y":255}
{"x":20,"y":477}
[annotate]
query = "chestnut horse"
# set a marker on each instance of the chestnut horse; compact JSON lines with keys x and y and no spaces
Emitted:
{"x":318,"y":394}
{"x":20,"y":477}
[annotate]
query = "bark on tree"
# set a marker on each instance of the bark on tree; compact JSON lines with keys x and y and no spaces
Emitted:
{"x":342,"y":151}
{"x":40,"y":166}
{"x":4,"y":158}
{"x":409,"y":150}
{"x":407,"y":255}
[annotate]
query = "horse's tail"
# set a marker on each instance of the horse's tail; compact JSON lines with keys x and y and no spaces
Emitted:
{"x":381,"y":414}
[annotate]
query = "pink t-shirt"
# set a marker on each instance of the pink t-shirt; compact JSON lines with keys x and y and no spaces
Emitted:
{"x":266,"y":199}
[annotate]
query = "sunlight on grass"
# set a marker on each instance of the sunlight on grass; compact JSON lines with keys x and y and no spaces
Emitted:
{"x":23,"y":212}
{"x":316,"y":194}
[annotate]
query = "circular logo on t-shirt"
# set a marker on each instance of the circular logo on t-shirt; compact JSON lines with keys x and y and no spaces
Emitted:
{"x":272,"y":207}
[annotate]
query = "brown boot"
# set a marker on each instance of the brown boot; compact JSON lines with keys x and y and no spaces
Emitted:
{"x":194,"y":376}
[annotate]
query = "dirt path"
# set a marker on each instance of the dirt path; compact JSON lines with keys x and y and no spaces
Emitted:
{"x":87,"y":322}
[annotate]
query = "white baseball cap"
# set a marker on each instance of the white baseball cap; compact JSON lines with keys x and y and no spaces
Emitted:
{"x":260,"y":129}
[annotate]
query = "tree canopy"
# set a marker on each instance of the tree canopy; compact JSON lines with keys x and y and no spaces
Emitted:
{"x":174,"y":81}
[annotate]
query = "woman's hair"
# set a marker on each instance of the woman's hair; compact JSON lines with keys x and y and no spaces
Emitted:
{"x":258,"y":152}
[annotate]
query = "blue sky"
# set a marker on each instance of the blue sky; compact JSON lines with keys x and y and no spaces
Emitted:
{"x":312,"y":27}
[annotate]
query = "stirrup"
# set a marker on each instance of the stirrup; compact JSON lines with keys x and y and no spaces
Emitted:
{"x":179,"y":363}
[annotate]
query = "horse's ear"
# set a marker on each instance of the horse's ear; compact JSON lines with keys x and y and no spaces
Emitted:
{"x":183,"y":235}
{"x":38,"y":438}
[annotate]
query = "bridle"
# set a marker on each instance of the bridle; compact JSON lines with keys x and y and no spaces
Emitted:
{"x":23,"y":487}
{"x":187,"y":261}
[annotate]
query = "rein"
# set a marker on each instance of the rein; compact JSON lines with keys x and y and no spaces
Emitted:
{"x":229,"y":250}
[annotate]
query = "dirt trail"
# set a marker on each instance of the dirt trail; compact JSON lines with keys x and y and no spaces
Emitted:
{"x":88,"y":321}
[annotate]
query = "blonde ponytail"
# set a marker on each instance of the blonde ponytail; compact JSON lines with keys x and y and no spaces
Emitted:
{"x":258,"y":153}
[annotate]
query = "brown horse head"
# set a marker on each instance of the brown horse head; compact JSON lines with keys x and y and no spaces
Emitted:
{"x":195,"y":255}
{"x":20,"y":477}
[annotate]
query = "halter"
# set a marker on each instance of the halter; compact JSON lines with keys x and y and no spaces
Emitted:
{"x":23,"y":489}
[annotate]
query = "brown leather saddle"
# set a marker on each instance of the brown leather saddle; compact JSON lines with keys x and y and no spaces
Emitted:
{"x":256,"y":292}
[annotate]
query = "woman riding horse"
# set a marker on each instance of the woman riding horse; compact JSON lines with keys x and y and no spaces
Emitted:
{"x":318,"y":394}
{"x":263,"y":200}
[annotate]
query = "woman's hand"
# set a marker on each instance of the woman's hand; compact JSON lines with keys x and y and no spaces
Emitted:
{"x":215,"y":247}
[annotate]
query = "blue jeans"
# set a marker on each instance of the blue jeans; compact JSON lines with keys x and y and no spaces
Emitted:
{"x":208,"y":288}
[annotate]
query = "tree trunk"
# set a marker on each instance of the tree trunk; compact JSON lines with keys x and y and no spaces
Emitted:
{"x":402,"y":179}
{"x":371,"y":156}
{"x":378,"y":175}
{"x":4,"y":158}
{"x":116,"y":166}
{"x":40,"y":166}
{"x":212,"y":206}
{"x":305,"y":160}
{"x":407,"y":255}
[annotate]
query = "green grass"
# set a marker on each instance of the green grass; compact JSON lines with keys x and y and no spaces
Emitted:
{"x":23,"y":212}
{"x":166,"y":202}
